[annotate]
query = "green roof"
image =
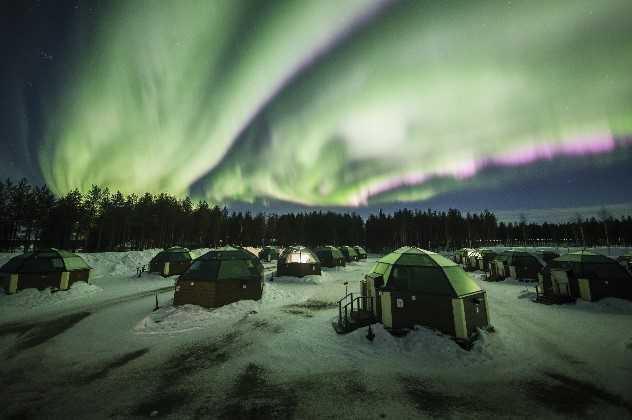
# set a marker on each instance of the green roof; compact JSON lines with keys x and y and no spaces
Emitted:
{"x":226,"y":263}
{"x":45,"y":260}
{"x":360,"y":250}
{"x":175,"y":253}
{"x":417,"y":270}
{"x":585,"y":257}
{"x":228,"y":253}
{"x":348,"y":250}
{"x":328,"y":250}
{"x":416,"y":257}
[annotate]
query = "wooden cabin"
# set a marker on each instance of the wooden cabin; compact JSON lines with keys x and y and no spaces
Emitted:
{"x":330,"y":256}
{"x":44,"y":268}
{"x":269,"y":253}
{"x":349,"y":253}
{"x":219,"y":277}
{"x":362,"y":255}
{"x":298,"y":261}
{"x":626,"y":261}
{"x":171,"y":261}
{"x":413,"y":286}
{"x":524,"y":265}
{"x":585,"y":275}
{"x":485,"y":258}
{"x":498,"y":267}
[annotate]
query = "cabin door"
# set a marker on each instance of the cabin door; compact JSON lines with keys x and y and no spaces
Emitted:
{"x":559,"y":278}
{"x":387,"y":313}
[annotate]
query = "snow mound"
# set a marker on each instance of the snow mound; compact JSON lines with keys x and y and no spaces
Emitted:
{"x":419,"y":344}
{"x":181,"y":319}
{"x":606,"y":305}
{"x":280,"y":294}
{"x":32,"y":298}
{"x":118,"y":263}
{"x":324,"y":277}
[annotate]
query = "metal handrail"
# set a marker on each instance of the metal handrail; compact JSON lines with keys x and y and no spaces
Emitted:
{"x":350,"y":305}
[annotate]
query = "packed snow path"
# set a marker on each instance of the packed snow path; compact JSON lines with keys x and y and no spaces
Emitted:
{"x":280,"y":359}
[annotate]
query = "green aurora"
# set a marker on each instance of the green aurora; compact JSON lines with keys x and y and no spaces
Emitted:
{"x":338,"y":103}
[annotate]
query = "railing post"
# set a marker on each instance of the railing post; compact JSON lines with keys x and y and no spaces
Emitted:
{"x":340,"y":313}
{"x":346,"y":317}
{"x":351,"y":302}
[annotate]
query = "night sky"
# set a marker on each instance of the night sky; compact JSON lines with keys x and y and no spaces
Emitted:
{"x":506,"y":105}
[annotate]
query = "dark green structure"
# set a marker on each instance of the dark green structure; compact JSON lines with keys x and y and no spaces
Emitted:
{"x":362,"y":255}
{"x":269,"y":253}
{"x":413,"y":286}
{"x":484,"y":259}
{"x":586,"y":275}
{"x":219,"y":277}
{"x":171,"y":261}
{"x":517,"y":265}
{"x":546,"y":255}
{"x":51,"y":267}
{"x":460,"y":256}
{"x":298,"y":261}
{"x":349,"y":253}
{"x":499,"y":267}
{"x":330,"y":256}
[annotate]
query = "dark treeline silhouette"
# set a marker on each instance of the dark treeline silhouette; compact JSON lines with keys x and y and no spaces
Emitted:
{"x":101,"y":220}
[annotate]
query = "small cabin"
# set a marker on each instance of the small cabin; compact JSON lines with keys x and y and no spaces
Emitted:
{"x":269,"y":253}
{"x":171,"y":261}
{"x":626,"y":261}
{"x":44,"y":268}
{"x":485,"y":258}
{"x":219,"y":277}
{"x":413,"y":286}
{"x":298,"y":261}
{"x":516,"y":265}
{"x":498,"y":267}
{"x":349,"y":253}
{"x":470,"y":259}
{"x":587,"y":276}
{"x":524,"y":265}
{"x":330,"y":256}
{"x":362,"y":255}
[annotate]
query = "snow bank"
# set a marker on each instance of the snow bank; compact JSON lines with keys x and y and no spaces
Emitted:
{"x":419,"y":344}
{"x":118,"y":263}
{"x":323,"y":278}
{"x":33,"y":298}
{"x":180,"y":319}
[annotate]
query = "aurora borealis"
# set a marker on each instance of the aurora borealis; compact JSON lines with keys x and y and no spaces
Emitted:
{"x":335,"y":103}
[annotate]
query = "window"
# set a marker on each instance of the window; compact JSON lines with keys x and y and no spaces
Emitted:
{"x":398,"y":280}
{"x":57,"y":263}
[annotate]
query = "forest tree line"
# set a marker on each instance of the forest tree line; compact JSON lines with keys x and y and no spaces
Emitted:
{"x":102,"y":220}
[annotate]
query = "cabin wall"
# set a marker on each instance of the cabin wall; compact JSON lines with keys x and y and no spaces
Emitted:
{"x":476,"y":312}
{"x":432,"y":311}
{"x":213,"y":294}
{"x":175,"y":267}
{"x":79,"y":275}
{"x":298,"y":269}
{"x":526,"y":272}
{"x":39,"y":280}
{"x":202,"y":293}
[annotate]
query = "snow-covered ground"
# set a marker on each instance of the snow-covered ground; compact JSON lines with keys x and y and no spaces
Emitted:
{"x":113,"y":276}
{"x":279,"y":358}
